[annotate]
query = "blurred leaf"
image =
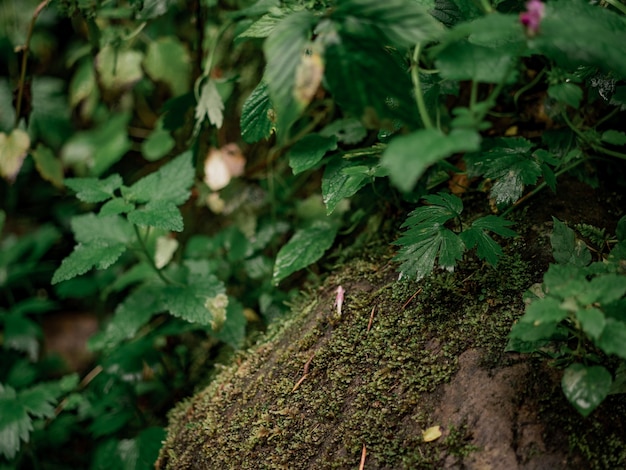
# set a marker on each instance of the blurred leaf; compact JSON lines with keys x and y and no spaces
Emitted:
{"x":119,"y":69}
{"x":210,"y":105}
{"x":403,"y":22}
{"x":94,"y":189}
{"x":233,"y":331}
{"x":48,"y":165}
{"x":116,"y":206}
{"x":283,"y":50}
{"x":613,"y":338}
{"x":97,"y":149}
{"x":568,"y":93}
{"x":13,"y":150}
{"x":592,"y":321}
{"x":586,"y":387}
{"x":309,"y":151}
{"x":614,"y":137}
{"x":160,"y":214}
{"x":305,"y":247}
{"x":408,"y":156}
{"x":265,"y":25}
{"x":349,"y":131}
{"x":22,"y":334}
{"x":168,"y":60}
{"x":169,"y":183}
{"x":256,"y":123}
{"x":15,"y":424}
{"x":566,"y":248}
{"x":466,"y":61}
{"x":158,"y":144}
{"x":190,"y":301}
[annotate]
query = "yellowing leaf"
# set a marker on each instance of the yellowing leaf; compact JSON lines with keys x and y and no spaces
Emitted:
{"x":13,"y":149}
{"x":309,"y":74}
{"x":432,"y":433}
{"x":119,"y":69}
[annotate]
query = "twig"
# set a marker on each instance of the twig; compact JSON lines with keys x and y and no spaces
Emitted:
{"x":305,"y":373}
{"x":363,"y":455}
{"x":411,"y":298}
{"x":22,"y":80}
{"x":369,"y":325}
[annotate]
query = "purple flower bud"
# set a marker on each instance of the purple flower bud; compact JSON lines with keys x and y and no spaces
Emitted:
{"x":531,"y":18}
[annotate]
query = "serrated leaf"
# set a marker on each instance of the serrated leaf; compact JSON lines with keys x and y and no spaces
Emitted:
{"x":613,"y":338}
{"x":93,"y":189}
{"x":284,"y":49}
{"x":48,"y":165}
{"x":338,"y":185}
{"x":13,"y":150}
{"x":160,"y":214}
{"x":22,"y":334}
{"x":167,"y":60}
{"x":566,"y":248}
{"x":466,"y":61}
{"x":309,"y":151}
{"x":15,"y":424}
{"x":476,"y":236}
{"x":90,"y":227}
{"x":116,"y":206}
{"x":586,"y":387}
{"x":210,"y":105}
{"x":169,"y":183}
{"x":189,"y":301}
{"x":403,"y":22}
{"x":407,"y":157}
{"x":257,"y":115}
{"x":305,"y":247}
{"x":85,"y":257}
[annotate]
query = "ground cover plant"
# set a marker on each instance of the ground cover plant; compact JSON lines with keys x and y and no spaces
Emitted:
{"x":177,"y":169}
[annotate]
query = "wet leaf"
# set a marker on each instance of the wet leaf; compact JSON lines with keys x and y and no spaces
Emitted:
{"x":586,"y":387}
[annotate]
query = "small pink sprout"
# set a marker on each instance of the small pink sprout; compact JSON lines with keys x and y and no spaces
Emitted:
{"x":533,"y":15}
{"x":339,"y":299}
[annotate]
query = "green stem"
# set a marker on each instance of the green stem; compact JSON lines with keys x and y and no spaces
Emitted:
{"x":607,"y":117}
{"x":486,"y":6}
{"x":528,"y":86}
{"x":618,"y":5}
{"x":612,"y":153}
{"x":146,"y":252}
{"x":417,"y":89}
{"x":208,"y":66}
{"x":541,"y":186}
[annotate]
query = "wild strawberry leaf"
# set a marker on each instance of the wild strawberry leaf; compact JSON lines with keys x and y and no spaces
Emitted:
{"x":338,"y":185}
{"x":476,"y":236}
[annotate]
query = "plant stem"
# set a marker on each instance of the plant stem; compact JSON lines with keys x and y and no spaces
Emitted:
{"x":528,"y":86}
{"x":417,"y":89}
{"x":618,"y":5}
{"x":146,"y":252}
{"x":612,"y":153}
{"x":22,"y":79}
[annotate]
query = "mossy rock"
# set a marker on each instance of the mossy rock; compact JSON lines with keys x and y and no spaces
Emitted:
{"x":328,"y":390}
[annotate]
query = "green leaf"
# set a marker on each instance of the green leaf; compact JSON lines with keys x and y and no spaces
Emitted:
{"x":309,"y":151}
{"x":210,"y":105}
{"x":566,"y":248}
{"x":13,"y":150}
{"x":407,"y":157}
{"x":119,"y":69}
{"x":614,"y":137}
{"x":613,"y":338}
{"x":546,"y":310}
{"x":620,"y":231}
{"x":15,"y":424}
{"x":604,"y":289}
{"x":90,"y":227}
{"x":284,"y":50}
{"x":160,"y":214}
{"x":169,"y":183}
{"x":116,"y":206}
{"x":576,"y":33}
{"x":158,"y":144}
{"x":586,"y":387}
{"x":99,"y":148}
{"x":592,"y":321}
{"x":531,"y":333}
{"x":167,"y":60}
{"x":476,"y":235}
{"x":305,"y":247}
{"x":85,"y":257}
{"x":349,"y":131}
{"x":22,"y":334}
{"x":338,"y":185}
{"x":402,"y":22}
{"x":257,"y":118}
{"x":568,"y":93}
{"x":383,"y":91}
{"x":466,"y":61}
{"x":48,"y":165}
{"x":265,"y":25}
{"x":233,"y":331}
{"x":192,"y":301}
{"x":93,"y":189}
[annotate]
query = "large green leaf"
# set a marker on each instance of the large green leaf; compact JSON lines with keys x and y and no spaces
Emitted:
{"x":407,"y":157}
{"x":305,"y":247}
{"x":167,"y":60}
{"x":338,"y":185}
{"x":85,"y":257}
{"x":466,"y":61}
{"x":566,"y":248}
{"x":192,"y":300}
{"x":402,"y":22}
{"x":94,"y":189}
{"x":613,"y":338}
{"x":284,"y":50}
{"x":169,"y":183}
{"x":90,"y":227}
{"x":586,"y":387}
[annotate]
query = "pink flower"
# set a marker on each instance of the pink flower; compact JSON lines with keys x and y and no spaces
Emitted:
{"x":339,"y":299}
{"x":531,"y":18}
